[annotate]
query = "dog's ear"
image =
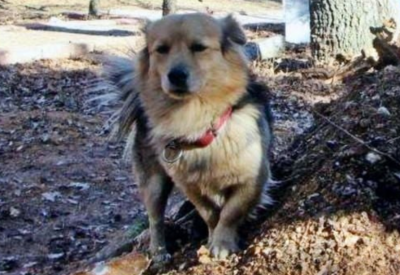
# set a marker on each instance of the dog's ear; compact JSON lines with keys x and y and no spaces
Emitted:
{"x":232,"y":32}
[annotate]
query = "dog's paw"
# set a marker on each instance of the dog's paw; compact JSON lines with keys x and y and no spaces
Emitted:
{"x":222,"y":249}
{"x":160,"y":262}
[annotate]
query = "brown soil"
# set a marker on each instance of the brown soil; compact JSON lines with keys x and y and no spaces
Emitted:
{"x":63,"y":187}
{"x":65,"y":192}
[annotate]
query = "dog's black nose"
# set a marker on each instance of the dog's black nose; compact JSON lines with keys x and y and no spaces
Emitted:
{"x":178,"y":77}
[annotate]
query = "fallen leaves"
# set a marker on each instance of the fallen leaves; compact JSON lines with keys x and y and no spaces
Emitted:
{"x":62,"y":190}
{"x":130,"y":264}
{"x":203,"y":255}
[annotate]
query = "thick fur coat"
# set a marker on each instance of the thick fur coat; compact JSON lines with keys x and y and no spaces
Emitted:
{"x":191,"y":71}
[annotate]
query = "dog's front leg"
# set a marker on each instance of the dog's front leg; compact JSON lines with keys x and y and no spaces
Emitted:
{"x":207,"y":210}
{"x":155,"y":191}
{"x":237,"y":207}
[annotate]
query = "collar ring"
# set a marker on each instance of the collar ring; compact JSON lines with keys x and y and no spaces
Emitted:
{"x":171,"y":153}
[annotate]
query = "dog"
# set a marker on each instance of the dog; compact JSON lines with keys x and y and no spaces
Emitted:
{"x":197,"y":120}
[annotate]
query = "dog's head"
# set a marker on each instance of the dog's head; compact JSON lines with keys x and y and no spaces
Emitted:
{"x":194,"y":55}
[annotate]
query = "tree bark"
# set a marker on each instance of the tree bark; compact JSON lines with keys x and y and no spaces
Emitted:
{"x":94,"y":6}
{"x":343,"y":27}
{"x":169,"y":7}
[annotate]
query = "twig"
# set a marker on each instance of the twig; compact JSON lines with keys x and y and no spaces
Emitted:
{"x":357,"y":139}
{"x":32,"y":8}
{"x":186,"y":218}
{"x":393,"y":139}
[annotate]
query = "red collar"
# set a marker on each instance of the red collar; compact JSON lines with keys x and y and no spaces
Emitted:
{"x":207,"y":138}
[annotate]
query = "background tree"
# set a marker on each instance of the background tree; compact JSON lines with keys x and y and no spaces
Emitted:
{"x":343,"y":27}
{"x":169,"y":7}
{"x":94,"y":8}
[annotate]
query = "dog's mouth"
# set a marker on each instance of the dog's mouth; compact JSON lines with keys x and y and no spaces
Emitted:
{"x":176,"y":92}
{"x":179,"y":92}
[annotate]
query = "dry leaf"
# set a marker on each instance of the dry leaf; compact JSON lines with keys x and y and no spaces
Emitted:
{"x":131,"y":264}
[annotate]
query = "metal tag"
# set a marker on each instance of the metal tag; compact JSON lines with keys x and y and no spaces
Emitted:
{"x":171,"y":153}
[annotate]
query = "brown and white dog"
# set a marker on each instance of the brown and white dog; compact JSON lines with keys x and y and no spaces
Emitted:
{"x":201,"y":124}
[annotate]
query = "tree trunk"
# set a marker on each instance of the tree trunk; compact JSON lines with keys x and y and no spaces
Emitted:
{"x":169,"y":7}
{"x":94,"y":6}
{"x":343,"y":27}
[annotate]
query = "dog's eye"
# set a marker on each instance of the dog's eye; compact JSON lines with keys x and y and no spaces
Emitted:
{"x":162,"y":49}
{"x":198,"y":48}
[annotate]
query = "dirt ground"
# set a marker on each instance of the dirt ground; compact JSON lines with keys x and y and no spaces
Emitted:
{"x":65,"y":191}
{"x":338,"y":208}
{"x":63,"y":187}
{"x":66,"y":194}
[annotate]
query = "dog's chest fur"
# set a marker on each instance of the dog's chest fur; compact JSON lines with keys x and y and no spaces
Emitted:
{"x":235,"y":157}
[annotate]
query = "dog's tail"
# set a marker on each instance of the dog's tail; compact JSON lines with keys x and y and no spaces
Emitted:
{"x":265,"y":202}
{"x":117,"y":81}
{"x":119,"y":73}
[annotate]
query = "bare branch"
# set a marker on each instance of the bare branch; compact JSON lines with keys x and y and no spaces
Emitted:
{"x":357,"y":139}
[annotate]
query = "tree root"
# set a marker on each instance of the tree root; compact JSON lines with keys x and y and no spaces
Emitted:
{"x":385,"y":52}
